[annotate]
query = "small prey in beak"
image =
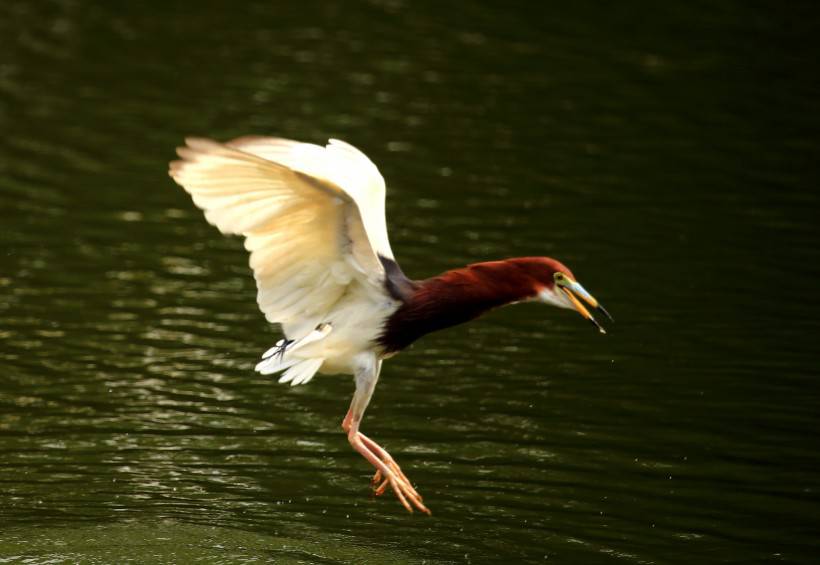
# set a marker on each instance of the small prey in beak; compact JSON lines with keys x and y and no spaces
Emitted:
{"x":573,"y":290}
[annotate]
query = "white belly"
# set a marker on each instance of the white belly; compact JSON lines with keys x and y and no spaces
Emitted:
{"x":355,"y":323}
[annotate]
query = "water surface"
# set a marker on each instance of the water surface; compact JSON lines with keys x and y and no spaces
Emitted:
{"x":667,"y":155}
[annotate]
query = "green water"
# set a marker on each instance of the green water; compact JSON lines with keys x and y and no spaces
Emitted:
{"x":668,"y":155}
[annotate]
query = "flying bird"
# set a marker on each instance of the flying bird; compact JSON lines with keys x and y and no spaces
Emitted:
{"x":314,"y":223}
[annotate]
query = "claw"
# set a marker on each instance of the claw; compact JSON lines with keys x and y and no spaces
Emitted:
{"x":378,"y":484}
{"x":387,"y":473}
{"x":379,"y":490}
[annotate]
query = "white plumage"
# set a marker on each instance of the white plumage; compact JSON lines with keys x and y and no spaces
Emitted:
{"x":313,"y":221}
{"x":314,"y":224}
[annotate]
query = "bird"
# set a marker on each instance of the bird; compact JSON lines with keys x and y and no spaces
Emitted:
{"x":313,"y":219}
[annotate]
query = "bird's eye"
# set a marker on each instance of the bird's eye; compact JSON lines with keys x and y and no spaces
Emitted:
{"x":560,"y":278}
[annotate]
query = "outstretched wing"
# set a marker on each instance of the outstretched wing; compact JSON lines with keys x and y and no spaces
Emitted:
{"x":313,"y":219}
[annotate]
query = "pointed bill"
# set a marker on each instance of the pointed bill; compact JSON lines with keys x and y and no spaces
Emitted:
{"x":573,"y":290}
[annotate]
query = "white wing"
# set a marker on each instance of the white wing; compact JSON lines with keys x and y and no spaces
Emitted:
{"x":313,"y":219}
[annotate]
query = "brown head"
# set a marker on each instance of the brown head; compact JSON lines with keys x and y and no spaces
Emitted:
{"x":462,"y":294}
{"x":551,"y":282}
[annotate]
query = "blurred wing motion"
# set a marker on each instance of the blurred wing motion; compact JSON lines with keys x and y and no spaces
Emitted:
{"x":313,"y":220}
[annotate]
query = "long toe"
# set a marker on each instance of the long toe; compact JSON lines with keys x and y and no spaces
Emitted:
{"x":387,"y":473}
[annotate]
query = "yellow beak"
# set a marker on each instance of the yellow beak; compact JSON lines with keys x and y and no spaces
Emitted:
{"x":573,"y":290}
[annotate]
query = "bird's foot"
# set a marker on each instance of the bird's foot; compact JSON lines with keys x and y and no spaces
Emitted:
{"x":379,"y":482}
{"x":388,"y":473}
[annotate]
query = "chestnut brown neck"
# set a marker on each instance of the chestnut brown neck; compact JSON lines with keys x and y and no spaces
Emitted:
{"x":458,"y":296}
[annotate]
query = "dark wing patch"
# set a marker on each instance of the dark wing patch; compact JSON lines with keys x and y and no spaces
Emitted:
{"x":396,"y":282}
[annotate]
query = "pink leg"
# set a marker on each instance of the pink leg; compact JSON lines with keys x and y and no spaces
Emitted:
{"x":379,"y":484}
{"x":385,"y":465}
{"x":388,"y":472}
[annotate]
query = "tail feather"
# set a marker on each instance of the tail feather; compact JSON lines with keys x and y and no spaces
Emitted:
{"x":301,"y":372}
{"x":298,"y":370}
{"x":275,"y":364}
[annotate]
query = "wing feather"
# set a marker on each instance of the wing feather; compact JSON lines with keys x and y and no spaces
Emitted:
{"x":306,"y":213}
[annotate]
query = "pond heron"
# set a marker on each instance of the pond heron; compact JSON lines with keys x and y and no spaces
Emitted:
{"x":314,"y":223}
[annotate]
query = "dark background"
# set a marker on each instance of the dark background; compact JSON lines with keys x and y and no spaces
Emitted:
{"x":667,"y":154}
